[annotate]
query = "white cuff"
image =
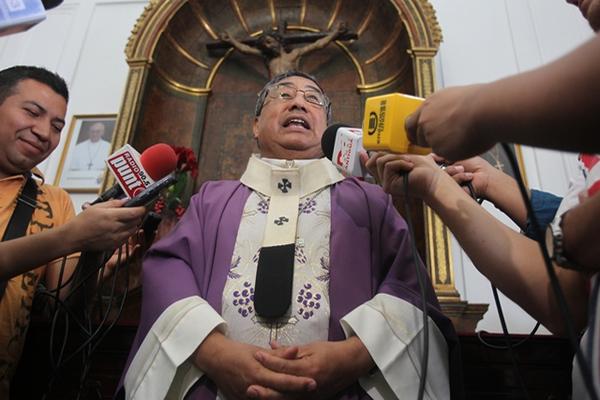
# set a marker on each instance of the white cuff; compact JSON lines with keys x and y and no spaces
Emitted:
{"x":173,"y":338}
{"x":391,"y":330}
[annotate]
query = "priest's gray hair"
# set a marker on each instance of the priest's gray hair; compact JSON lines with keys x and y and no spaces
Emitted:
{"x":262,"y":95}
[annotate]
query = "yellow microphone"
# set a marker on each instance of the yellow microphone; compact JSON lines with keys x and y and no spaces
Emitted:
{"x":383,"y":123}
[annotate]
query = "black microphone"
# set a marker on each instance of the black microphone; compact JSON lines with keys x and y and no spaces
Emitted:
{"x":50,"y":4}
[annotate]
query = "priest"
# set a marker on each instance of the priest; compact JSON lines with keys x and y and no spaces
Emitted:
{"x":293,"y":282}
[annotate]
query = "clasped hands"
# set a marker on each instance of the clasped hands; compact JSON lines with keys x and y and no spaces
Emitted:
{"x":316,"y":370}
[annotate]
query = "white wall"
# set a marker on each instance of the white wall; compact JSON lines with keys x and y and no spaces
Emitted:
{"x":84,"y":41}
{"x":488,"y":40}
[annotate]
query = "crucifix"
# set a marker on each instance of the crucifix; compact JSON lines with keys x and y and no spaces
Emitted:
{"x":274,"y":46}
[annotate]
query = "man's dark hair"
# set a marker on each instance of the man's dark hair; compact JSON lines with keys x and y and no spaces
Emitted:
{"x":10,"y":78}
{"x":262,"y":95}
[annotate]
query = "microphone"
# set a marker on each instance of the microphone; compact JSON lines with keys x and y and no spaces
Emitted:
{"x":49,"y":4}
{"x":383,"y":122}
{"x":134,"y":172}
{"x":342,"y":144}
{"x":19,"y":16}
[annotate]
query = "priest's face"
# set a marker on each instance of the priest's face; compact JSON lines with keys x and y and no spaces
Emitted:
{"x":590,"y":9}
{"x":31,"y":120}
{"x":291,"y":122}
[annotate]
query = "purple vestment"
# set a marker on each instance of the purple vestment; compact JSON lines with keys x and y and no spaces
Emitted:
{"x":370,"y":253}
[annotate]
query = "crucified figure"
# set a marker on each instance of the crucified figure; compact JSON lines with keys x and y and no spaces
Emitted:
{"x":273,"y":47}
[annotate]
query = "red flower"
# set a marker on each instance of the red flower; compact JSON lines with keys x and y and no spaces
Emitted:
{"x":174,"y":199}
{"x":186,"y":160}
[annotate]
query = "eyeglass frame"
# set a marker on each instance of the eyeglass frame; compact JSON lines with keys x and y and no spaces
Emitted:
{"x":262,"y":95}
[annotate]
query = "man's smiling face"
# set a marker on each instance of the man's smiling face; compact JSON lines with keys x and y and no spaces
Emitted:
{"x":31,"y":120}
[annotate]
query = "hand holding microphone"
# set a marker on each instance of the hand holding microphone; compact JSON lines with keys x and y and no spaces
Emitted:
{"x":450,"y":123}
{"x":103,"y":226}
{"x":134,"y":172}
{"x":383,"y":130}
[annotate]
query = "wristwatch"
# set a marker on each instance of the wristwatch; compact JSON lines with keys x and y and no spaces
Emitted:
{"x":555,"y":244}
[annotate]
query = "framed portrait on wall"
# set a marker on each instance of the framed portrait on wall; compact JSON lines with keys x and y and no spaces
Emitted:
{"x":82,"y":163}
{"x":498,"y":159}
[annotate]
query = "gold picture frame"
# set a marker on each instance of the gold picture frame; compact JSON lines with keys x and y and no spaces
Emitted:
{"x":89,"y":141}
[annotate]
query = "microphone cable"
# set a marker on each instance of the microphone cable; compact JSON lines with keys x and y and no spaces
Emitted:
{"x":560,"y":297}
{"x":506,"y":335}
{"x":421,"y":281}
{"x":84,"y":324}
{"x":480,"y":200}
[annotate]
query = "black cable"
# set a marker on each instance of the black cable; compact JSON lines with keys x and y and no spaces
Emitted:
{"x":509,"y":346}
{"x":93,"y":334}
{"x":514,"y":345}
{"x":480,"y":200}
{"x":560,"y":297}
{"x":421,"y":280}
{"x":92,"y":337}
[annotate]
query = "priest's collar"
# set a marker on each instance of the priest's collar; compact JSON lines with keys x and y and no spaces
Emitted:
{"x":276,"y":177}
{"x":285,"y":182}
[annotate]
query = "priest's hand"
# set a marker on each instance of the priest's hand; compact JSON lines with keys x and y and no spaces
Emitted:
{"x":233,"y":367}
{"x":333,"y":365}
{"x":448,"y":123}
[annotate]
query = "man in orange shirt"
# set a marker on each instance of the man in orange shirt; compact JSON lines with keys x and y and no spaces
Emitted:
{"x":33,"y":103}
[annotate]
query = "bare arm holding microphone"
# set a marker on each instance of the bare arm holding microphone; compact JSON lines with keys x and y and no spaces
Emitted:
{"x":511,"y":261}
{"x":100,"y":227}
{"x":555,"y":106}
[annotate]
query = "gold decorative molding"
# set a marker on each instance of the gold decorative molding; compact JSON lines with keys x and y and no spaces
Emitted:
{"x":384,"y":83}
{"x":421,"y":23}
{"x":215,"y":69}
{"x":435,"y":31}
{"x":127,"y":116}
{"x":184,"y":53}
{"x":273,"y":14}
{"x":203,"y":22}
{"x":148,"y":30}
{"x":391,"y":40}
{"x":424,"y":67}
{"x":439,"y":257}
{"x":367,"y":20}
{"x":238,"y":12}
{"x":334,"y":14}
{"x":303,"y":12}
{"x":439,"y":254}
{"x":180,"y":87}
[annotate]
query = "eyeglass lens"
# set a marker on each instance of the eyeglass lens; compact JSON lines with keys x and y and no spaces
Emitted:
{"x":287,"y":92}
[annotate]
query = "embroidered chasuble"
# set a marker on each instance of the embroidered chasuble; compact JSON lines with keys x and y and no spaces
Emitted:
{"x":353,"y":274}
{"x":307,"y":319}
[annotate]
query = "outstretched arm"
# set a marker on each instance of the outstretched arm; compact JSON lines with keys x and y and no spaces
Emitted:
{"x":581,"y":232}
{"x":100,"y":227}
{"x":554,"y":106}
{"x":239,"y":46}
{"x":511,"y":261}
{"x":491,"y":184}
{"x":324,"y":41}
